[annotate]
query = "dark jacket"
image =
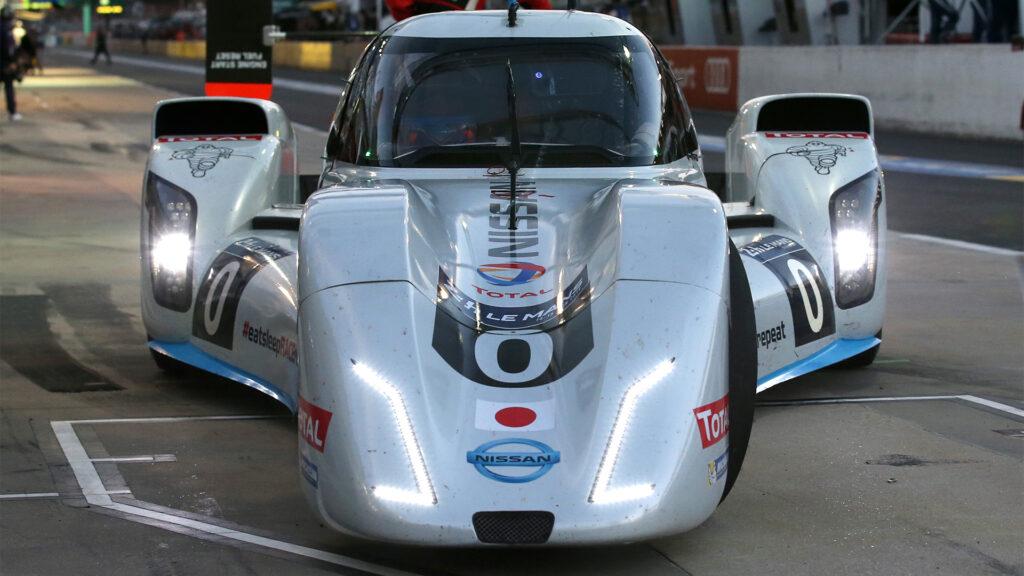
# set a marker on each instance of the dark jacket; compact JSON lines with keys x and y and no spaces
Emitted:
{"x":7,"y":46}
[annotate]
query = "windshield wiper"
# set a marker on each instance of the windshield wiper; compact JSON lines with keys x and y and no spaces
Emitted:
{"x":516,"y":157}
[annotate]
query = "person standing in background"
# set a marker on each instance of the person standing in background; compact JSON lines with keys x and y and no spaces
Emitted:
{"x":8,"y":62}
{"x":1004,"y":21}
{"x":944,"y":19}
{"x":29,"y":49}
{"x":18,"y":32}
{"x":101,"y":46}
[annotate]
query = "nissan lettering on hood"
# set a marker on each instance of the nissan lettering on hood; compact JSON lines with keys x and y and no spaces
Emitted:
{"x":513,"y":277}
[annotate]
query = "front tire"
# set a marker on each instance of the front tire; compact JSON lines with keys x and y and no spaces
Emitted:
{"x":742,"y":366}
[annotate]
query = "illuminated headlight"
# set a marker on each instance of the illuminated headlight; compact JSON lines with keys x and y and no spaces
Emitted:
{"x":171,"y":252}
{"x":854,"y":211}
{"x":852,"y":248}
{"x":171,"y":213}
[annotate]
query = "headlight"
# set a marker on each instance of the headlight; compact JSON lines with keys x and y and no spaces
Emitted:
{"x":172,"y":229}
{"x":171,"y":252}
{"x":854,"y":211}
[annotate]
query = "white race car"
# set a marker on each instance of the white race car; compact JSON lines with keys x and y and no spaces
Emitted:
{"x":513,"y":312}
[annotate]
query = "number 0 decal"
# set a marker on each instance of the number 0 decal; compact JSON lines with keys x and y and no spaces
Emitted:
{"x":213,"y":319}
{"x":804,"y":279}
{"x":220,"y":286}
{"x":810,"y":299}
{"x":497,"y":356}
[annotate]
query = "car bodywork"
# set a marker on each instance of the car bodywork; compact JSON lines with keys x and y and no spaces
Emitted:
{"x":566,"y":378}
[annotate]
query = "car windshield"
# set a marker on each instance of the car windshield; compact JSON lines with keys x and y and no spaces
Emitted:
{"x":434,"y":102}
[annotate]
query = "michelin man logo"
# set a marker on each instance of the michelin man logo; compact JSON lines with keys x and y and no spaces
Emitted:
{"x":204,"y":157}
{"x":822,"y":156}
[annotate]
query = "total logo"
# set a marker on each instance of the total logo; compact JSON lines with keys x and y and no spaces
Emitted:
{"x":525,"y":460}
{"x":847,"y":135}
{"x":313,"y":423}
{"x":226,"y":138}
{"x":511,"y":273}
{"x":511,"y":295}
{"x":713,"y":421}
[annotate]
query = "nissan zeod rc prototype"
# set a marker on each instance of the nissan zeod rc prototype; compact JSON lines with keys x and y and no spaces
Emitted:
{"x":512,"y":312}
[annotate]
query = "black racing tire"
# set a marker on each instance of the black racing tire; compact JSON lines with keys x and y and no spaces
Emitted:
{"x":168,"y":364}
{"x":862,"y":360}
{"x":742,"y":366}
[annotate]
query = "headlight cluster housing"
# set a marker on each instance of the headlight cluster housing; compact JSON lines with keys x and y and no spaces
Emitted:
{"x":854,"y":216}
{"x":171,"y":214}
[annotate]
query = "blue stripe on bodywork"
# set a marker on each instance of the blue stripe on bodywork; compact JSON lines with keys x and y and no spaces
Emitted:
{"x":835,"y":352}
{"x":189,"y":354}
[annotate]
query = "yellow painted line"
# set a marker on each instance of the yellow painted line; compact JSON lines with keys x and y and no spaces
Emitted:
{"x":188,"y":49}
{"x":315,"y":55}
{"x":1009,"y":178}
{"x":95,"y":81}
{"x":66,"y":71}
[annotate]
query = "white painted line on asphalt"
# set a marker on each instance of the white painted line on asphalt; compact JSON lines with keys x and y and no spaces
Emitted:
{"x":964,"y":245}
{"x":1013,"y":411}
{"x":95,"y":494}
{"x":133,"y":459}
{"x":996,"y":405}
{"x":322,"y":555}
{"x":853,"y":400}
{"x":54,"y":495}
{"x":171,"y":419}
{"x":29,"y":495}
{"x":143,"y":62}
{"x":303,"y":86}
{"x":309,"y":128}
{"x":85,"y":473}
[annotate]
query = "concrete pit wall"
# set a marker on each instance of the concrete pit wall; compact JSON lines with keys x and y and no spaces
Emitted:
{"x":974,"y":90}
{"x":969,"y":90}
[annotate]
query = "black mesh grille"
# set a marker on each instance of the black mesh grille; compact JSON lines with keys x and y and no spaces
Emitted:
{"x":513,"y":527}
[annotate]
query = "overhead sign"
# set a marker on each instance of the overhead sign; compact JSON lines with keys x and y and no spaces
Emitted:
{"x":237,"y":61}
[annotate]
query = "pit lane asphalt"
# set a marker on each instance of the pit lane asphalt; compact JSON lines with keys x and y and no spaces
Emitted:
{"x":911,"y":487}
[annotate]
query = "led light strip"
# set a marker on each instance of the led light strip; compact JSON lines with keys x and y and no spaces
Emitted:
{"x":601,"y":494}
{"x":424,"y":496}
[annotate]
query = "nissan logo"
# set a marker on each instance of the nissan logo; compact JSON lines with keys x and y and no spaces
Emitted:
{"x":535,"y":457}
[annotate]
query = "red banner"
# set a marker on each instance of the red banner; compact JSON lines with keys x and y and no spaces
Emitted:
{"x":709,"y":77}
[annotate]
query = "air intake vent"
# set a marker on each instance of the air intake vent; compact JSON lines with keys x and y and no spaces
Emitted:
{"x":208,"y":117}
{"x":513,"y":527}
